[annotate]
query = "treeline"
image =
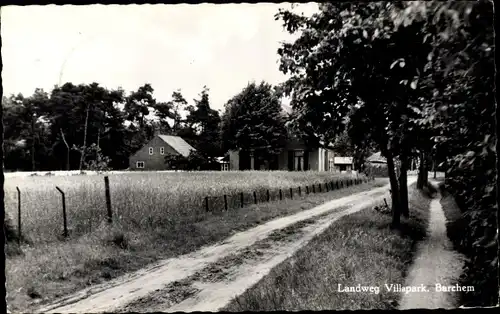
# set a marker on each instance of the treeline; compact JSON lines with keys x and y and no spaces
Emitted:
{"x":412,"y":79}
{"x":87,"y":126}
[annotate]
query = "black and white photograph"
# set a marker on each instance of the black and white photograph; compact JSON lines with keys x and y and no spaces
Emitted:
{"x":266,"y":156}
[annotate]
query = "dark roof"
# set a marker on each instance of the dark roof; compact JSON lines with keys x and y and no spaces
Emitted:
{"x":377,"y":157}
{"x":178,"y":144}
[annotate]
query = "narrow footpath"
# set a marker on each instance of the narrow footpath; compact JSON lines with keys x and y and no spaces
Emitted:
{"x":436,"y":264}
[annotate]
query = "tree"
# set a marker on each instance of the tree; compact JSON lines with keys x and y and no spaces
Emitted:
{"x":459,"y":111}
{"x":101,"y":117}
{"x":442,"y":52}
{"x":343,"y":145}
{"x":350,"y":60}
{"x":205,"y":123}
{"x":138,"y":105}
{"x":98,"y":161}
{"x":253,"y":120}
{"x":34,"y":111}
{"x":178,"y":105}
{"x":163,"y":110}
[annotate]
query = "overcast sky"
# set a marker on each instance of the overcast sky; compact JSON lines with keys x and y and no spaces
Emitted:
{"x":223,"y":46}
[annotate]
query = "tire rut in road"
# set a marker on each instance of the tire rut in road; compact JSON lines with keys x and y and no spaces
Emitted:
{"x":222,"y":269}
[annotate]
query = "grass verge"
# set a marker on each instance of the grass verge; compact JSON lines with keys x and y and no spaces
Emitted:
{"x":359,"y":249}
{"x":52,"y":270}
{"x":456,"y":225}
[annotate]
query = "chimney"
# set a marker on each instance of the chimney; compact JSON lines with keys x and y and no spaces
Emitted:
{"x":157,"y":132}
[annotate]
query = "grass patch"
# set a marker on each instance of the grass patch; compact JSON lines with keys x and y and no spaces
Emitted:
{"x":455,"y":222}
{"x":55,"y":269}
{"x":357,"y":249}
{"x":140,"y":200}
{"x":456,"y":225}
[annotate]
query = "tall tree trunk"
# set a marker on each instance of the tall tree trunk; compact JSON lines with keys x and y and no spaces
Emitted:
{"x":403,"y":186}
{"x":426,"y":173}
{"x":67,"y":150}
{"x":421,"y":169}
{"x":84,"y":147}
{"x":396,"y":213}
{"x":33,"y":142}
{"x":98,"y":137}
{"x":434,"y":166}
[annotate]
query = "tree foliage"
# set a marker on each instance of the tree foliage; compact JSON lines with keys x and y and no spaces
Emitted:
{"x":89,"y":127}
{"x":205,"y":123}
{"x":413,"y":79}
{"x":254,"y":120}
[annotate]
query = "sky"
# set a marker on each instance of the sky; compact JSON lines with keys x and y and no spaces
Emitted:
{"x":222,"y":46}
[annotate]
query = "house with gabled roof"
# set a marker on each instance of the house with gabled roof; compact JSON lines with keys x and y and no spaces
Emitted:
{"x":152,"y":155}
{"x":377,"y":159}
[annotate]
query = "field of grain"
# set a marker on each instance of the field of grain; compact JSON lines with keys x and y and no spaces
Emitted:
{"x":139,"y":200}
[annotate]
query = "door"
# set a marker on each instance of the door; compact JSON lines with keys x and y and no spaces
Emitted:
{"x":244,"y":160}
{"x":298,"y":163}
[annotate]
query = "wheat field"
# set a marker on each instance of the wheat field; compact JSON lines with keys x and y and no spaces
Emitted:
{"x":140,"y":200}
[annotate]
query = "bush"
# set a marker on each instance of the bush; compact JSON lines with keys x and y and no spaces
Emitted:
{"x":11,"y":234}
{"x":12,"y":239}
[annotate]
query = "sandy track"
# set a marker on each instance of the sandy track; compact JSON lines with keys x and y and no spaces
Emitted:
{"x":436,"y":263}
{"x":122,"y":291}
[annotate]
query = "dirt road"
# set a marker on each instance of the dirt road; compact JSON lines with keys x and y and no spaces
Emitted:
{"x":436,"y":263}
{"x":181,"y":284}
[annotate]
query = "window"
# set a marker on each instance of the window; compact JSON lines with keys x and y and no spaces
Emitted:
{"x":162,"y":150}
{"x":140,"y":164}
{"x":151,"y":150}
{"x":225,"y":166}
{"x":331,"y":165}
{"x":298,"y":160}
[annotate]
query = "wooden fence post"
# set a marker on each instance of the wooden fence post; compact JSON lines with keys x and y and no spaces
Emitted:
{"x":291,"y":193}
{"x":255,"y":197}
{"x":19,"y":234}
{"x":64,"y":212}
{"x":300,"y":193}
{"x":281,"y":195}
{"x":108,"y":199}
{"x":225,"y":202}
{"x":307,"y":189}
{"x":326,"y":186}
{"x":206,"y":204}
{"x":319,"y":187}
{"x":314,"y":188}
{"x":268,"y":196}
{"x":241,"y":200}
